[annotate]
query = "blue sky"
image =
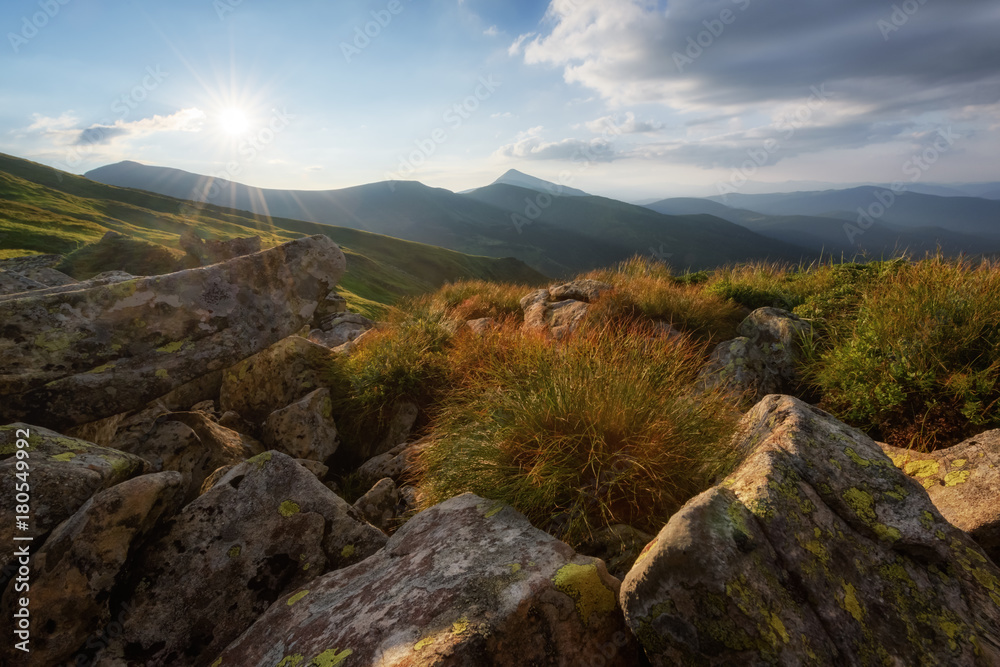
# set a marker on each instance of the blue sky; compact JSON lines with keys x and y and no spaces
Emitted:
{"x":627,"y":98}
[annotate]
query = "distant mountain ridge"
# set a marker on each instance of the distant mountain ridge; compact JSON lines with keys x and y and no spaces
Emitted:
{"x":556,"y":235}
{"x":870,"y":219}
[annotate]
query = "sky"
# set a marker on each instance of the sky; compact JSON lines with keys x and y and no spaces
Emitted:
{"x":631,"y":99}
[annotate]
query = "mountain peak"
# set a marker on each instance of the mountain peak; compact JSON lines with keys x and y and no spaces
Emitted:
{"x":522,"y":180}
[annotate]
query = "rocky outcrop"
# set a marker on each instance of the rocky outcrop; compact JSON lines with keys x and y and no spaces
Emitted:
{"x":74,"y":573}
{"x":79,"y":356}
{"x":817,"y":550}
{"x":468,"y":582}
{"x":274,"y":378}
{"x":267,"y":527}
{"x":305,"y":429}
{"x":560,"y":309}
{"x":63,"y":474}
{"x":963,"y":482}
{"x":23,"y":274}
{"x":763,"y":360}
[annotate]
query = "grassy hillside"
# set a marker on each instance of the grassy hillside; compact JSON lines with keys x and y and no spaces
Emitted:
{"x":45,"y":210}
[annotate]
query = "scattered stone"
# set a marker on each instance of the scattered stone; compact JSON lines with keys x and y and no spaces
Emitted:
{"x":378,"y":506}
{"x":274,"y":378}
{"x":468,"y":582}
{"x":764,"y":360}
{"x":64,"y":474}
{"x":397,"y":428}
{"x":482,"y":326}
{"x":963,"y":482}
{"x":817,"y":550}
{"x":192,"y":444}
{"x":305,"y":429}
{"x":396,"y":464}
{"x":586,"y":290}
{"x":267,"y":527}
{"x":85,"y":355}
{"x":74,"y":573}
{"x":343,"y":329}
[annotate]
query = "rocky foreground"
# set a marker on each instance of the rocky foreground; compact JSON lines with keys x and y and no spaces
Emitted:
{"x":173,"y":434}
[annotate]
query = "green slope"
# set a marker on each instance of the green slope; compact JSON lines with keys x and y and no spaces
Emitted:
{"x":49,"y":211}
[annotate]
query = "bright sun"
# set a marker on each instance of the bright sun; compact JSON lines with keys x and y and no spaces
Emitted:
{"x":234,"y":121}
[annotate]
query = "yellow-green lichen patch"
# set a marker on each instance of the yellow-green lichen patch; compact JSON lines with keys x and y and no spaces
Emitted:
{"x":851,"y":604}
{"x":297,"y":597}
{"x":217,"y":663}
{"x":514,"y":568}
{"x":779,"y":627}
{"x":331,"y":658}
{"x":423,"y":643}
{"x":956,"y":477}
{"x":862,"y":503}
{"x":584,"y":585}
{"x":101,"y":369}
{"x":288,"y":509}
{"x":347,"y":551}
{"x":234,"y":552}
{"x":65,"y":457}
{"x":260,"y":460}
{"x":888,"y":533}
{"x":642,"y":554}
{"x":922,"y":469}
{"x":959,"y":463}
{"x":897,"y":493}
{"x":162,"y":373}
{"x":170,"y":348}
{"x":291,"y":660}
{"x":858,"y":460}
{"x":460,"y":627}
{"x":926,"y":520}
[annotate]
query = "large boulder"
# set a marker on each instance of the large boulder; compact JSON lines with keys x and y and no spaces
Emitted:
{"x":763,"y":360}
{"x":267,"y":527}
{"x":62,"y":474}
{"x":468,"y":582}
{"x":817,"y":550}
{"x":82,"y":355}
{"x":74,"y":573}
{"x":963,"y":482}
{"x":274,"y":378}
{"x":214,"y":251}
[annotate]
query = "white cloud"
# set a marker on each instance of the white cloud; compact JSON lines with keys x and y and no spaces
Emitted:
{"x":529,"y":145}
{"x":622,"y":124}
{"x":492,"y":31}
{"x":515,"y":47}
